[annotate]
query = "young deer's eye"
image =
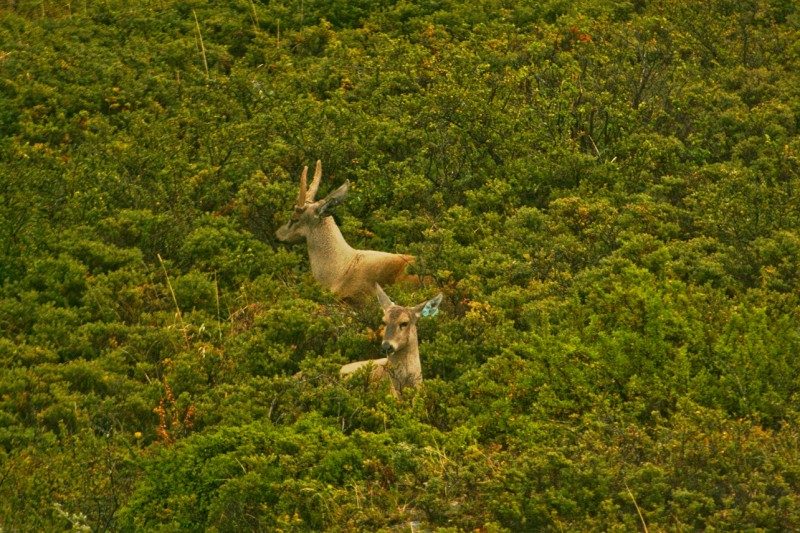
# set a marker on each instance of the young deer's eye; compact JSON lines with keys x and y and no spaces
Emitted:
{"x":403,"y":325}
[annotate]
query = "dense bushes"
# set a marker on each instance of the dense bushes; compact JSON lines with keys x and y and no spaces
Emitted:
{"x":607,"y":195}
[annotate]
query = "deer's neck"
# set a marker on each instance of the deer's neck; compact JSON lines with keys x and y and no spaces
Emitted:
{"x":404,"y":366}
{"x":328,"y":252}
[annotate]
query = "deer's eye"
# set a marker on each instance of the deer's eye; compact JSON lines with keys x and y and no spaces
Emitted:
{"x":403,"y":325}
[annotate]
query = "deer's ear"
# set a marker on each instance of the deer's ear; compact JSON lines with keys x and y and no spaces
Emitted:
{"x":333,"y":199}
{"x":429,"y":308}
{"x":383,"y":299}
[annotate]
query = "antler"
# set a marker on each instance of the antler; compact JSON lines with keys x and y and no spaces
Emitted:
{"x":301,"y":198}
{"x":307,"y":194}
{"x":312,"y":191}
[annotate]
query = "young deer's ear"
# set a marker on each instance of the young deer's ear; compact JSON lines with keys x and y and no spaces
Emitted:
{"x":383,"y":299}
{"x":333,"y":199}
{"x":429,"y":308}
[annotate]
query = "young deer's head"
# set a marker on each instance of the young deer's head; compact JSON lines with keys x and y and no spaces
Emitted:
{"x":401,"y":365}
{"x":400,"y":323}
{"x":308,"y":212}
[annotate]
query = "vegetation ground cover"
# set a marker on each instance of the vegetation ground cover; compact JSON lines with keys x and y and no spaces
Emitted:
{"x":608,"y":194}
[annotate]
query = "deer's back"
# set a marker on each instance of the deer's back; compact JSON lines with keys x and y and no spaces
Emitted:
{"x":369,"y":267}
{"x":378,"y":368}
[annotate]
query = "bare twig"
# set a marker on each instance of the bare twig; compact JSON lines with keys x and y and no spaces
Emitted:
{"x":641,"y":517}
{"x":596,"y":151}
{"x":216,"y":294}
{"x":178,"y":313}
{"x":200,"y":40}
{"x":254,"y":16}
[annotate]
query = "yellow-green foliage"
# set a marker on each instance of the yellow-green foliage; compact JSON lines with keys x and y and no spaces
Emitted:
{"x":608,"y":194}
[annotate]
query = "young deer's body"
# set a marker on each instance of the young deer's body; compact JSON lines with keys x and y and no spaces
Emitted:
{"x":349,"y":273}
{"x":402,"y":365}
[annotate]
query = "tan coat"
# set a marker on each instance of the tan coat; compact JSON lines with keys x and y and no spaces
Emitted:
{"x":349,"y":273}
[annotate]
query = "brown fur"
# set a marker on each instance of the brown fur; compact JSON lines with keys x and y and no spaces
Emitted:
{"x":349,"y":273}
{"x":402,"y":367}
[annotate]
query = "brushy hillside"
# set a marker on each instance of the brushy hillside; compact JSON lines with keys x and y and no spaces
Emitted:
{"x":608,"y":194}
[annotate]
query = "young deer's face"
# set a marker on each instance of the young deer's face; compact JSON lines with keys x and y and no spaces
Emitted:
{"x":399,"y":326}
{"x":400,"y":323}
{"x":308,"y":212}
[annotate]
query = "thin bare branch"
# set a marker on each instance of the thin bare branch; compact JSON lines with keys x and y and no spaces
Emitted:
{"x":202,"y":46}
{"x":641,"y":517}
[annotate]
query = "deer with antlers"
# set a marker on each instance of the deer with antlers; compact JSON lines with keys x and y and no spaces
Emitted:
{"x":400,"y":344}
{"x":349,"y":273}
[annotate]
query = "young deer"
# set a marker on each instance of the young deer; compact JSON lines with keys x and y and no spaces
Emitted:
{"x":349,"y":273}
{"x":400,"y":344}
